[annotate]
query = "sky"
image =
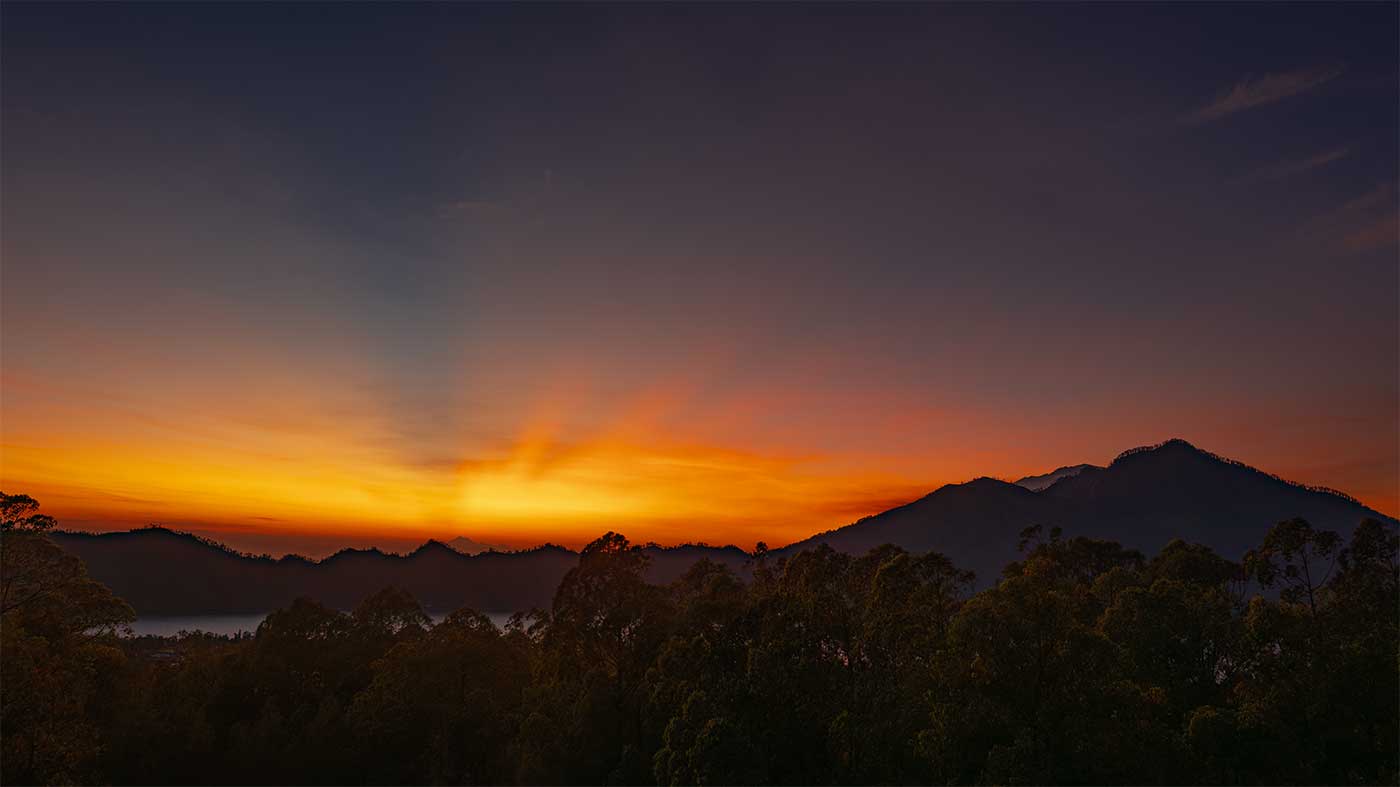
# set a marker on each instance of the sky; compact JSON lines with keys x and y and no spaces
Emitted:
{"x":307,"y":276}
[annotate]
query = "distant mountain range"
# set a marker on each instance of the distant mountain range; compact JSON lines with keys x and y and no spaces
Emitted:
{"x":1035,"y":483}
{"x":1143,"y":499}
{"x":162,"y":572}
{"x":469,"y":547}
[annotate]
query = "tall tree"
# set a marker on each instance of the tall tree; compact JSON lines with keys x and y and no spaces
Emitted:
{"x":57,"y":653}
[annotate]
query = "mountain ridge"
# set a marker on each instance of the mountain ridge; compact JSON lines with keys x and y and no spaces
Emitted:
{"x":161,"y":571}
{"x":1036,"y":483}
{"x":1144,"y":498}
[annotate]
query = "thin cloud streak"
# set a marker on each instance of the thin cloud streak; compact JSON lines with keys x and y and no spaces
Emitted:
{"x":1250,"y":93}
{"x":1294,"y":167}
{"x":1365,"y":223}
{"x":1384,"y":232}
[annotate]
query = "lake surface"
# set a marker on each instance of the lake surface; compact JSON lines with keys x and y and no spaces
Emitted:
{"x":229,"y":625}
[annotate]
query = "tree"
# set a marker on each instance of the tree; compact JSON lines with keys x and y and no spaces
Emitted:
{"x":1176,"y":626}
{"x":1315,"y":696}
{"x":392,"y":613}
{"x":1030,"y":690}
{"x":1086,"y":663}
{"x":58,"y":653}
{"x":605,"y":627}
{"x":443,"y":707}
{"x":1296,"y":558}
{"x":21,"y":513}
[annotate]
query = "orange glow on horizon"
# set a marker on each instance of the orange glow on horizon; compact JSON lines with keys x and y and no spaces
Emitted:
{"x":667,"y":463}
{"x":248,"y":472}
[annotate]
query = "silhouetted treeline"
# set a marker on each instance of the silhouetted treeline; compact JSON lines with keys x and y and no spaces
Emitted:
{"x":1086,"y":663}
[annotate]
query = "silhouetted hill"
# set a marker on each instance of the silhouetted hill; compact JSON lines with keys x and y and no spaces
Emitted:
{"x":1144,"y":499}
{"x":1149,"y":496}
{"x":668,"y":563}
{"x":1035,"y":483}
{"x":163,"y":572}
{"x":975,"y":523}
{"x":469,"y":546}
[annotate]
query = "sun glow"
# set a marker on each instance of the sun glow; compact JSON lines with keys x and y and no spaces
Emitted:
{"x":282,"y":465}
{"x":672,"y":459}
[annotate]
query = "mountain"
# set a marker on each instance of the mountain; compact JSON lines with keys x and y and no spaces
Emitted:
{"x":1144,"y":499}
{"x":976,"y":524}
{"x":1035,"y":483}
{"x":668,"y":563}
{"x":161,"y":572}
{"x":469,"y":547}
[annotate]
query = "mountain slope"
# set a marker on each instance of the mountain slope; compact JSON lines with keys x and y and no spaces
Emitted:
{"x":1149,"y":496}
{"x":163,"y":572}
{"x":972,"y":523}
{"x":469,"y":546}
{"x":1144,"y":499}
{"x":1035,"y":483}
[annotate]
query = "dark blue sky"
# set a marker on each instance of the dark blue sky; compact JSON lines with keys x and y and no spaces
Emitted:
{"x":920,"y":241}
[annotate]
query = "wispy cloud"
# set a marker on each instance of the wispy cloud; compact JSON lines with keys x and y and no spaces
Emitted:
{"x":1365,"y":205}
{"x":1252,"y":92}
{"x":1368,"y":222}
{"x":1292,"y":167}
{"x":1381,"y":233}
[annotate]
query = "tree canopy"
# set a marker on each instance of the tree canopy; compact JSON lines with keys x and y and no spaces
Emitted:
{"x":1085,"y":663}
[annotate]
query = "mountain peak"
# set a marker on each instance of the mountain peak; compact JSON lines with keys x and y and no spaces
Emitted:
{"x":974,"y":489}
{"x":434,"y":545}
{"x":1174,"y":445}
{"x":1036,"y":483}
{"x":984,"y":480}
{"x":469,"y":546}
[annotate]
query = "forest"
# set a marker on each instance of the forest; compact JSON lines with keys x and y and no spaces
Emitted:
{"x":1085,"y":663}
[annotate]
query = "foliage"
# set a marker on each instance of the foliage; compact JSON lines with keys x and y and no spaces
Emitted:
{"x":59,"y":662}
{"x":1086,"y":663}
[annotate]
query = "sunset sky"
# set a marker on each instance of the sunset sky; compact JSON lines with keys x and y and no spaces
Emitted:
{"x":301,"y":279}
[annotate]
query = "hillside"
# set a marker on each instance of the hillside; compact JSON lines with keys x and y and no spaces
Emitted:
{"x":164,"y":572}
{"x":1144,"y":499}
{"x":1036,"y":483}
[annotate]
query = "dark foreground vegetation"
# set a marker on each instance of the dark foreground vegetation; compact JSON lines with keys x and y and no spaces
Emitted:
{"x":1086,"y":663}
